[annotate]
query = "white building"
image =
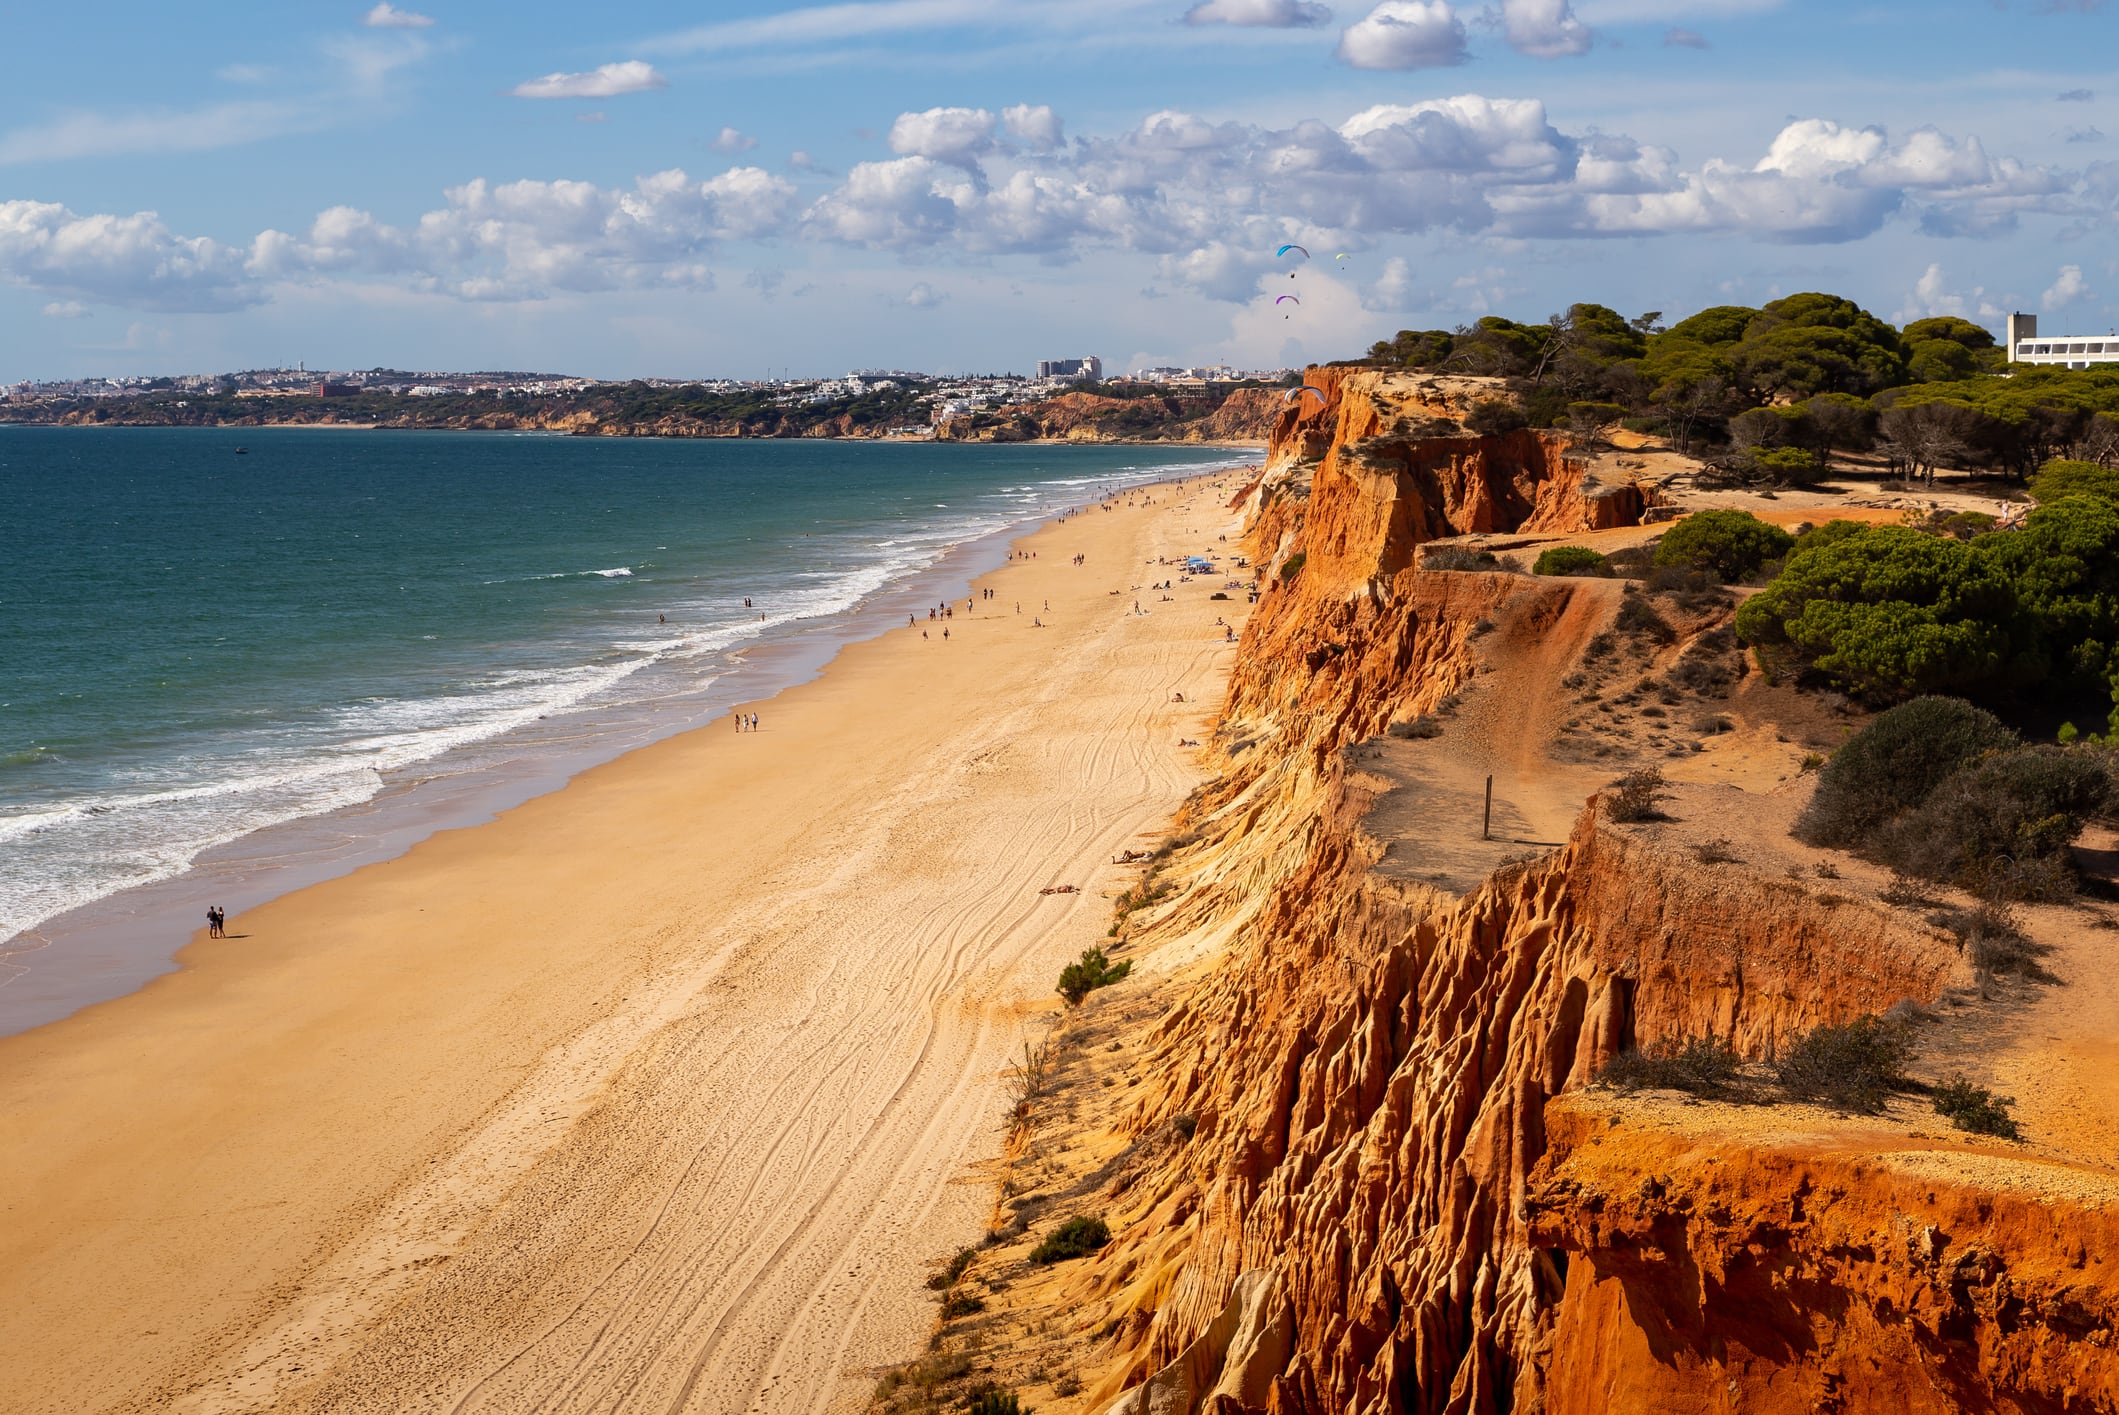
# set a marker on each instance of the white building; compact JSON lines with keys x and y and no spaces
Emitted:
{"x":2064,"y":350}
{"x":1089,"y":370}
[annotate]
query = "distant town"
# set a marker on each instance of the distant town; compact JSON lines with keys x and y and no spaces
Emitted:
{"x":1069,"y":398}
{"x":941,"y":396}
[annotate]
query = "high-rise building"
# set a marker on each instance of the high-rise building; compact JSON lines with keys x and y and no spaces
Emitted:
{"x":1089,"y":370}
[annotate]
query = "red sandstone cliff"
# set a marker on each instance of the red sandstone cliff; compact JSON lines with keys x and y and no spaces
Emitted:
{"x":1242,"y":415}
{"x":1393,"y":1188}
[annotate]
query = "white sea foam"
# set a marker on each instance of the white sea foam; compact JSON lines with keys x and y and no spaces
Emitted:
{"x":153,"y":823}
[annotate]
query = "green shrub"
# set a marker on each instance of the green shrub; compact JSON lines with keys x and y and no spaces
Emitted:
{"x":1292,"y":566}
{"x":961,"y":1304}
{"x":1977,"y":1109}
{"x":1076,"y":1238}
{"x":1459,"y":557}
{"x":1092,"y":971}
{"x":1729,"y":544}
{"x":2063,"y":567}
{"x":1887,"y":612}
{"x":2015,"y":808}
{"x":1856,"y":1066}
{"x":1990,"y":934}
{"x":1818,"y":537}
{"x":1637,"y":616}
{"x":1418,"y":727}
{"x":1570,"y":560}
{"x":1491,"y":417}
{"x":953,"y":1270}
{"x":1634,"y":797}
{"x":1790,"y":466}
{"x":1699,"y":1066}
{"x":2061,"y":477}
{"x":995,"y":1401}
{"x":1893,"y":765}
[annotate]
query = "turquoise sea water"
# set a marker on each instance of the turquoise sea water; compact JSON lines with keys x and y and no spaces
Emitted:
{"x":196,"y":645}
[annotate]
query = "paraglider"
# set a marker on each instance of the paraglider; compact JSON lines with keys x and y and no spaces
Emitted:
{"x":1295,"y":394}
{"x":1290,"y":247}
{"x":1285,"y":298}
{"x":1340,"y":256}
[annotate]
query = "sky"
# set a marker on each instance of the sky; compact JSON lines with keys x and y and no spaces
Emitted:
{"x":745,"y":188}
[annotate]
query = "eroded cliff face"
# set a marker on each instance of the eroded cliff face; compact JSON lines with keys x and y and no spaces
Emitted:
{"x":1369,"y":1082}
{"x":1242,"y":415}
{"x":1705,"y":1273}
{"x":1393,"y":1190}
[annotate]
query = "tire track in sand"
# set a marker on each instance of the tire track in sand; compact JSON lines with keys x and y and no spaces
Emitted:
{"x":727,"y":1203}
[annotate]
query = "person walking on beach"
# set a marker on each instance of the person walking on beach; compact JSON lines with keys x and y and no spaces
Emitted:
{"x":216,"y":922}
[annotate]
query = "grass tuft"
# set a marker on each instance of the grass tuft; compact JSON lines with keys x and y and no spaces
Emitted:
{"x":1977,"y":1109}
{"x":1076,"y":1238}
{"x":1855,"y":1066}
{"x":1698,"y":1066}
{"x":1091,"y":971}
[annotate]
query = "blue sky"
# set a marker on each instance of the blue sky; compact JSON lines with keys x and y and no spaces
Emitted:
{"x":745,"y":187}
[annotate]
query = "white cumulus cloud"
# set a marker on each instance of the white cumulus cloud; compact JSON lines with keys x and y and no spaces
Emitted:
{"x":922,"y":296}
{"x":388,"y":16}
{"x":1038,"y":126}
{"x":2064,"y":291}
{"x":65,"y":309}
{"x":732,"y":140}
{"x":1544,"y":29}
{"x":1206,"y":201}
{"x":906,"y":201}
{"x":605,"y":81}
{"x":1932,"y":296}
{"x":1277,"y":14}
{"x":1405,"y":34}
{"x":953,"y":135}
{"x":126,"y":260}
{"x":1820,"y":181}
{"x":524,"y":240}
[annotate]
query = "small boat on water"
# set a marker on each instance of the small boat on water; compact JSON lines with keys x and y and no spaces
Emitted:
{"x":242,"y":451}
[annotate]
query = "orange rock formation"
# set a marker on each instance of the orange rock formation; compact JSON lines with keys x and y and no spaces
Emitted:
{"x":1396,"y":1194}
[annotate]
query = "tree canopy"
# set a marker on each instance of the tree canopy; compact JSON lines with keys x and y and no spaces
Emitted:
{"x":1728,"y":544}
{"x":1823,"y":354}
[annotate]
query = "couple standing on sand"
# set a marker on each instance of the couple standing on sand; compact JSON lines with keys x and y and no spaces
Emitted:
{"x":216,"y":921}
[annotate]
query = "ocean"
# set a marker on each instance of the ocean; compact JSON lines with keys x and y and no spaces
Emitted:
{"x":213,"y":660}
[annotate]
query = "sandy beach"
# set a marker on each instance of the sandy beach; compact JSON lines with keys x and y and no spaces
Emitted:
{"x":661,"y":1091}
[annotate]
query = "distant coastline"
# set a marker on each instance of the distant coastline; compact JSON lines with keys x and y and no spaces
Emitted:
{"x":1236,"y":416}
{"x":1257,"y":443}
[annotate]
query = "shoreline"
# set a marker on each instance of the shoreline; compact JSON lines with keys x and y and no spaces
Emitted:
{"x":119,"y":943}
{"x":399,"y":1114}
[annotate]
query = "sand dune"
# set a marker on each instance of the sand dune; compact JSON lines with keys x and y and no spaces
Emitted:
{"x":657,"y":1093}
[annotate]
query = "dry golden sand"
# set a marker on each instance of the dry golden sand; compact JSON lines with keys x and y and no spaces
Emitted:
{"x":656,"y":1093}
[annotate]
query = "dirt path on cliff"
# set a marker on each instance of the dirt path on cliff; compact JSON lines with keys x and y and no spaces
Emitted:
{"x":1515,"y":710}
{"x":1503,"y":724}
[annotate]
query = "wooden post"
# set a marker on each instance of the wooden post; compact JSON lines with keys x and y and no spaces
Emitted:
{"x":1486,"y":826}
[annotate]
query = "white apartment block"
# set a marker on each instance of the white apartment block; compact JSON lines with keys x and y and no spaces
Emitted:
{"x":2064,"y":350}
